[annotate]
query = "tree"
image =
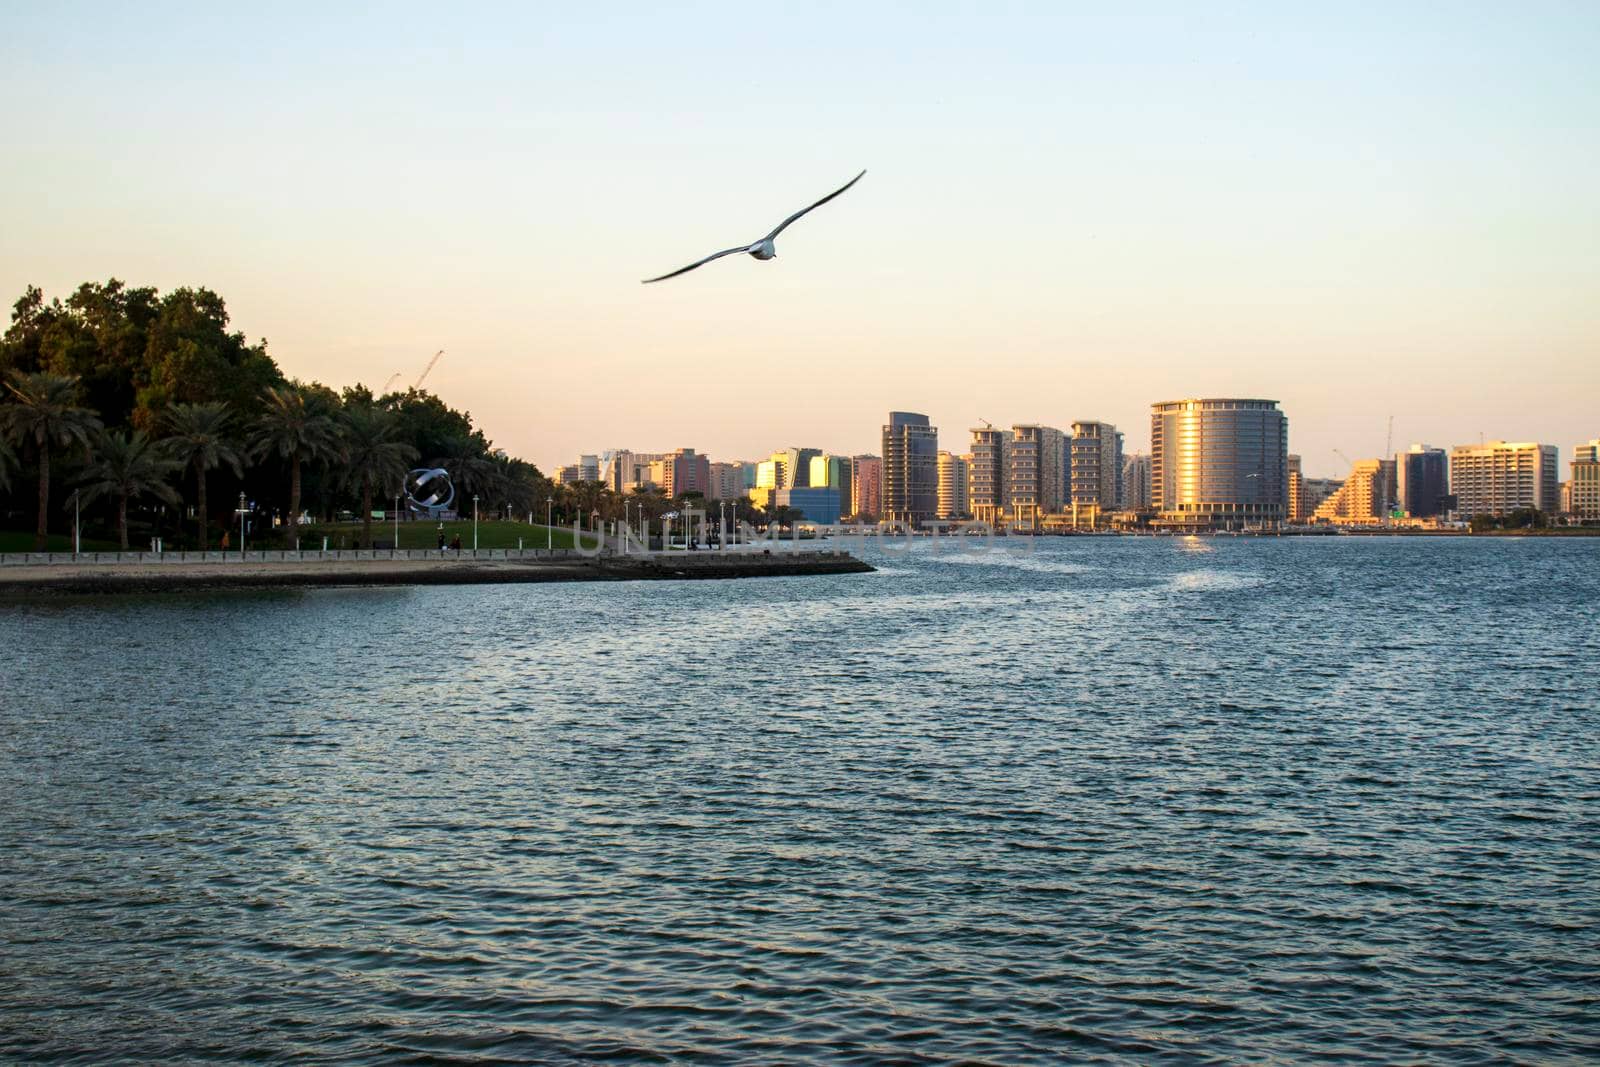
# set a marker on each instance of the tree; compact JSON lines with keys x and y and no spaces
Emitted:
{"x":191,"y":357}
{"x":200,"y":442}
{"x":129,"y":466}
{"x":45,"y":415}
{"x":472,"y":470}
{"x":294,"y":427}
{"x":8,"y":461}
{"x":371,"y":455}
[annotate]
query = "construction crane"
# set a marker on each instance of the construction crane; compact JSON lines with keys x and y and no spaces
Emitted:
{"x":986,"y":423}
{"x":1346,"y":458}
{"x":1388,"y":444}
{"x":389,"y":384}
{"x":427,"y":370}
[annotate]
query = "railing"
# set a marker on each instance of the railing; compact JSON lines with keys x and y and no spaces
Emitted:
{"x":23,"y":559}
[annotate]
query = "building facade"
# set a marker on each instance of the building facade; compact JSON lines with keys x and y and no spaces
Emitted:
{"x":727,"y":481}
{"x":1422,"y":482}
{"x":1498,"y":477}
{"x":684,"y":471}
{"x":866,"y":487}
{"x":1036,"y":476}
{"x":1095,"y":474}
{"x":813,"y":503}
{"x":1219,"y":463}
{"x":910,"y":468}
{"x":987,"y":498}
{"x":1297,"y":511}
{"x":952,"y":486}
{"x":1364,"y":496}
{"x":1136,"y":481}
{"x":832,"y":472}
{"x":1585,"y":491}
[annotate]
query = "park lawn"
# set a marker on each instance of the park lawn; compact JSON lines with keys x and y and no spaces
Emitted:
{"x":425,"y":534}
{"x":22,"y":541}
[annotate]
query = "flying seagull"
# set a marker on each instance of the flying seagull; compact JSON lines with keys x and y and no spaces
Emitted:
{"x":761,"y":249}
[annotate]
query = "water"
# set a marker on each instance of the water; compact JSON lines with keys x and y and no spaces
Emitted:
{"x":1113,"y":798}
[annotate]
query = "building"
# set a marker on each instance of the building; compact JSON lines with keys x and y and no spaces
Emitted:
{"x":727,"y":481}
{"x":987,"y":497}
{"x":866,"y":487}
{"x":1095,"y":473}
{"x":1585,"y":490}
{"x":813,"y":503}
{"x":1364,"y":496}
{"x":571,"y":474}
{"x":1036,"y":477}
{"x":952,"y":486}
{"x":685,"y":472}
{"x":589,"y":468}
{"x":1316,"y":490}
{"x":1498,"y":477}
{"x":910,"y":468}
{"x":1218,"y":463}
{"x":832,"y":472}
{"x":1136,"y":482}
{"x":1297,"y":510}
{"x":1422,"y":482}
{"x":625,"y":471}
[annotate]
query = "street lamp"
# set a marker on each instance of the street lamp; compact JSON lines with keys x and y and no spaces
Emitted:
{"x":549,"y":531}
{"x":241,"y":527}
{"x":77,"y":541}
{"x":396,"y":544}
{"x":474,"y":522}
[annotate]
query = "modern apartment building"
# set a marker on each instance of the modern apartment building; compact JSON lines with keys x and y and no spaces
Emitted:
{"x":1364,"y":496}
{"x":987,"y":498}
{"x":832,"y":472}
{"x":1585,"y":491}
{"x":1422,"y":482}
{"x":727,"y":481}
{"x":812,"y":503}
{"x":1500,"y":476}
{"x":1316,"y":490}
{"x":1095,"y":472}
{"x":683,"y":472}
{"x":589,"y":468}
{"x":1036,"y":476}
{"x":623,"y":471}
{"x":1136,"y":481}
{"x":952,"y":486}
{"x":910,"y":468}
{"x":866,"y":486}
{"x":1297,"y":510}
{"x":1219,"y":462}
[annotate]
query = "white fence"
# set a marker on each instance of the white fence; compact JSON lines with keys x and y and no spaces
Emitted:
{"x":432,"y":555}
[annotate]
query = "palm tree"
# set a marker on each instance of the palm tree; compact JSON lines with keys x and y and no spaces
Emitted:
{"x":199,"y":441}
{"x":129,"y":466}
{"x":45,"y":415}
{"x":293,"y":428}
{"x":8,"y":460}
{"x":473,"y":471}
{"x":371,"y":456}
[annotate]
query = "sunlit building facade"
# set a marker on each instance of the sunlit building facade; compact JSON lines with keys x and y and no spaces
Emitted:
{"x":1095,"y":465}
{"x":1036,"y":479}
{"x":1219,"y":463}
{"x":1297,"y":490}
{"x":1363,"y":496}
{"x":1136,"y":481}
{"x":987,"y":499}
{"x":1585,"y":484}
{"x":866,"y":486}
{"x":1499,"y":477}
{"x":910,"y":468}
{"x":952,"y":486}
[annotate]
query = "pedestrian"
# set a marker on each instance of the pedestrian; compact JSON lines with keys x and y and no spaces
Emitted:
{"x":224,"y":540}
{"x":455,"y":543}
{"x":441,"y":537}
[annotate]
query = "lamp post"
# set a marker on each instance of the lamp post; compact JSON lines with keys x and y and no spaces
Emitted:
{"x":241,"y":527}
{"x":396,"y":545}
{"x":549,"y":531}
{"x":474,"y":522}
{"x":77,"y":540}
{"x":594,"y":521}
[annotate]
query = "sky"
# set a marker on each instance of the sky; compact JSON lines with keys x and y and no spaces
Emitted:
{"x":1070,"y":211}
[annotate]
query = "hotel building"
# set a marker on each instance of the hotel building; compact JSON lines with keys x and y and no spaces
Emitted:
{"x":987,"y":499}
{"x":1364,"y":496}
{"x":1036,"y":476}
{"x":866,"y":486}
{"x":1136,"y":481}
{"x":1585,"y":489}
{"x":952,"y":486}
{"x":1218,"y":462}
{"x":1499,"y":477}
{"x":1297,"y":491}
{"x":1095,"y":471}
{"x":910,"y":468}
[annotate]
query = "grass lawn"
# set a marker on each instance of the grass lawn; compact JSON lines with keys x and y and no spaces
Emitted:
{"x":22,"y":541}
{"x":423,"y":534}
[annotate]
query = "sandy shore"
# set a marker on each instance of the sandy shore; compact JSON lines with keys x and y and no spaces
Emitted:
{"x":87,"y":578}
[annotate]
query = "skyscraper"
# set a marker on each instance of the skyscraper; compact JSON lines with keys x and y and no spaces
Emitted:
{"x":910,"y":468}
{"x":987,"y":498}
{"x":1036,"y":476}
{"x":1422,"y":481}
{"x":1297,"y":511}
{"x":1219,"y":462}
{"x":866,"y":487}
{"x":685,"y":472}
{"x":1096,"y":465}
{"x":952,"y":486}
{"x":1499,"y":477}
{"x":1585,"y":489}
{"x":1136,"y":481}
{"x":832,"y":472}
{"x":1364,"y":495}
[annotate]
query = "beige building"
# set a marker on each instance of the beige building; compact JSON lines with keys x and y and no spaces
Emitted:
{"x":1036,"y":476}
{"x":987,"y":498}
{"x":866,"y":486}
{"x":1095,"y":474}
{"x":1585,"y":491}
{"x":624,"y":471}
{"x":1136,"y":482}
{"x":952,"y":486}
{"x":1363,"y":496}
{"x":1297,"y":491}
{"x":1500,"y":476}
{"x":1218,"y":463}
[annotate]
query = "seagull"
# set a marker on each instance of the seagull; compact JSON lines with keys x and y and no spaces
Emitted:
{"x":761,"y":249}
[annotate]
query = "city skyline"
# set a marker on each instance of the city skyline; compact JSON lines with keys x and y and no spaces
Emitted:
{"x":368,"y":190}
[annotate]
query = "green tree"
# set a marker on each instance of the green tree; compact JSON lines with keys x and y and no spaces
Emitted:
{"x":192,"y":357}
{"x":371,"y":455}
{"x":129,"y":466}
{"x":44,"y":416}
{"x":199,"y":441}
{"x":296,"y":428}
{"x":8,"y":463}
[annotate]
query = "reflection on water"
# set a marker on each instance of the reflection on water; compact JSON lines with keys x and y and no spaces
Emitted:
{"x":1107,"y":798}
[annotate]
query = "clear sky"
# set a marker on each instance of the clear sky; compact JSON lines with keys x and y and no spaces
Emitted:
{"x":1070,"y":211}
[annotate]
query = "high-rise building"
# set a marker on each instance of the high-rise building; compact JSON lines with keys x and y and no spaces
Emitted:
{"x":953,"y":485}
{"x":1316,"y":490}
{"x":866,"y":487}
{"x":1499,"y":477}
{"x":1219,"y":462}
{"x":910,"y":468}
{"x":727,"y":481}
{"x":1297,"y":490}
{"x":987,"y":498}
{"x":685,"y":472}
{"x":1036,"y":476}
{"x":624,"y":471}
{"x":1585,"y":490}
{"x":589,"y":468}
{"x":812,"y":503}
{"x":569,"y":475}
{"x":1136,"y":481}
{"x":832,"y":472}
{"x":1095,"y":475}
{"x":1364,"y":496}
{"x":1422,"y":481}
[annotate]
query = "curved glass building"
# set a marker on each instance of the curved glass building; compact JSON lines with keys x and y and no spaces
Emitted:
{"x":1219,"y":463}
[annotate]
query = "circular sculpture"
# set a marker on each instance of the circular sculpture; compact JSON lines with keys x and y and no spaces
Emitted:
{"x":428,"y":490}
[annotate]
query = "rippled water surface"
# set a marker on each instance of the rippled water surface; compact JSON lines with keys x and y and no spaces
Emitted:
{"x":1110,"y":798}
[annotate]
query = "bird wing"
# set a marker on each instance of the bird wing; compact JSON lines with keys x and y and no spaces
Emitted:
{"x":698,"y":263}
{"x":785,"y":223}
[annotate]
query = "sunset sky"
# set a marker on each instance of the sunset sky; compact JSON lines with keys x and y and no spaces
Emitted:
{"x":1069,"y":211}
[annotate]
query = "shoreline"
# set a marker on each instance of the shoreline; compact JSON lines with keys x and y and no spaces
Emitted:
{"x":93,"y":578}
